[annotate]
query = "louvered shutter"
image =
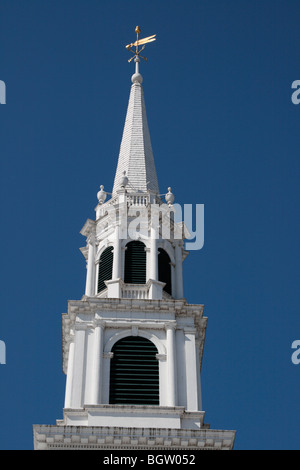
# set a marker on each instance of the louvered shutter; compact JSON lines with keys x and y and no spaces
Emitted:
{"x":164,"y":270}
{"x":135,"y":263}
{"x":105,"y":268}
{"x":134,"y":373}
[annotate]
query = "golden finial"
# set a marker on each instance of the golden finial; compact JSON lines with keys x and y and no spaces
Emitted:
{"x":139,"y":42}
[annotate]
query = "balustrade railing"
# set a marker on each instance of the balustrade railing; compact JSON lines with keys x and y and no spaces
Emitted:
{"x":138,"y":200}
{"x":135,"y":291}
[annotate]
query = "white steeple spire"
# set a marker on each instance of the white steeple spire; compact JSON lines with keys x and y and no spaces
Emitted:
{"x":136,"y":155}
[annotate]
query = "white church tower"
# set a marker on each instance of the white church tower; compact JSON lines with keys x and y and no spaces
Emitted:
{"x":132,"y":346}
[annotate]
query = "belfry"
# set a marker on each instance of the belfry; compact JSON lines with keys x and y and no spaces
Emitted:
{"x":133,"y":346}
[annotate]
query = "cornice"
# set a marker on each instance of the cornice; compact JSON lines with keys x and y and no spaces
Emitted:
{"x":112,"y":438}
{"x":89,"y":227}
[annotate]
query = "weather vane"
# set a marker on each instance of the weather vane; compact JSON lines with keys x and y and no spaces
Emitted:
{"x":139,"y":42}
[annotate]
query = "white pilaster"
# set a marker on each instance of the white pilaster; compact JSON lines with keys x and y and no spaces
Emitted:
{"x":79,"y":372}
{"x":200,"y":406}
{"x":106,"y":373}
{"x":191,"y":371}
{"x":70,"y":372}
{"x":114,"y":285}
{"x":97,"y":363}
{"x":171,"y":361}
{"x":116,"y":274}
{"x":90,"y":276}
{"x":181,"y":368}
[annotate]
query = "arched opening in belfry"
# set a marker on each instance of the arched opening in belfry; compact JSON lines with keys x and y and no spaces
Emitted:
{"x":135,"y":263}
{"x":105,"y":268}
{"x":164,"y":270}
{"x":134,"y":372}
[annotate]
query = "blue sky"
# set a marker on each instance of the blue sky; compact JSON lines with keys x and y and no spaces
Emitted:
{"x":224,"y":133}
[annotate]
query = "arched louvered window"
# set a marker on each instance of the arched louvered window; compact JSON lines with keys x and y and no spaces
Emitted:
{"x":135,"y":263}
{"x":134,"y":374}
{"x":164,"y":270}
{"x":105,"y":268}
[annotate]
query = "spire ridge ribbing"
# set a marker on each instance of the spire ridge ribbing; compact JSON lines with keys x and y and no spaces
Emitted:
{"x":136,"y":154}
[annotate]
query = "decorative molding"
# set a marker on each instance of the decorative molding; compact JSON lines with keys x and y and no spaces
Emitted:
{"x":161,"y":357}
{"x":171,"y":325}
{"x":99,"y":322}
{"x":114,"y":438}
{"x":109,"y":310}
{"x":145,"y":334}
{"x":80,"y":326}
{"x":135,"y":330}
{"x":108,"y":355}
{"x":89,"y":227}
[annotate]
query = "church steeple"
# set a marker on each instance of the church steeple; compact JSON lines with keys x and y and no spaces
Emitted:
{"x":136,"y":156}
{"x":132,"y":346}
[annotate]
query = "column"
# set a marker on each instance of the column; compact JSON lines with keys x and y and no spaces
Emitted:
{"x":156,"y":287}
{"x":114,"y":285}
{"x":153,"y":255}
{"x":181,"y":368}
{"x":191,"y":370}
{"x":178,"y":272}
{"x":97,"y":363}
{"x":90,"y":276}
{"x":171,"y":362}
{"x":70,"y":372}
{"x":117,"y":255}
{"x":198,"y":376}
{"x":106,"y":373}
{"x":79,"y":367}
